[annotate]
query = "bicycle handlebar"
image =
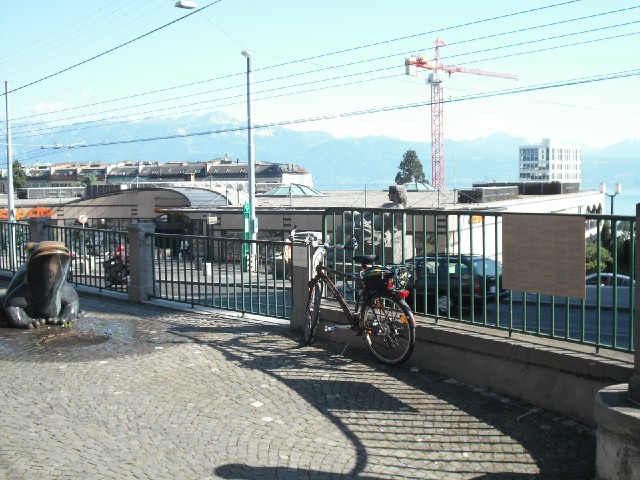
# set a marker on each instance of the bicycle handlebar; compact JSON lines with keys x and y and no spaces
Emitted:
{"x":311,"y":240}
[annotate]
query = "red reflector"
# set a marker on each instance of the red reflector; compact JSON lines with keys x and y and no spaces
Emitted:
{"x":403,"y":293}
{"x":390,"y":284}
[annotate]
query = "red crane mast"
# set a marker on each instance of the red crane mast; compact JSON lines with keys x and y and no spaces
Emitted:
{"x":437,"y":102}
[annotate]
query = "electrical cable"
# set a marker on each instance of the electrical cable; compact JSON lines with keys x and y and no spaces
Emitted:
{"x":111,"y":49}
{"x":40,"y":131}
{"x":369,"y":60}
{"x":545,"y":86}
{"x":77,"y":128}
{"x":317,"y":56}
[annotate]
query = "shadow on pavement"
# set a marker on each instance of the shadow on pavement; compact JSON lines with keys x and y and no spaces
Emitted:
{"x":415,"y":420}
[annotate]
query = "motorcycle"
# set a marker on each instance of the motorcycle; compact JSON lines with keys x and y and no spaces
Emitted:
{"x":115,"y":272}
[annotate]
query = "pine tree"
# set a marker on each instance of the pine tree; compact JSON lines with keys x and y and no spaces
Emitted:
{"x":410,"y":169}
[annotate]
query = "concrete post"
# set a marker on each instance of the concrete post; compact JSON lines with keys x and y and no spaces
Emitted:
{"x":634,"y":383}
{"x":140,"y":262}
{"x":300,"y":275}
{"x":617,"y":411}
{"x":38,"y":229}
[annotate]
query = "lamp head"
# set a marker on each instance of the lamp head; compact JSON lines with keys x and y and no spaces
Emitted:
{"x":188,"y":4}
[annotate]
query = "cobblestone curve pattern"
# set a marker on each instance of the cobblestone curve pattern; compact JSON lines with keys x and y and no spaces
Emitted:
{"x":175,"y":395}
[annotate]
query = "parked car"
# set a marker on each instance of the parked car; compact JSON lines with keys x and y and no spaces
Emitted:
{"x":460,"y":282}
{"x":607,"y":280}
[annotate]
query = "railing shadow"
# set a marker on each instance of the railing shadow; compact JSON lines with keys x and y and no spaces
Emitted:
{"x":397,"y":419}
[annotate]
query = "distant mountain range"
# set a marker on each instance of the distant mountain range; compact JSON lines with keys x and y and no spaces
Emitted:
{"x":349,"y":163}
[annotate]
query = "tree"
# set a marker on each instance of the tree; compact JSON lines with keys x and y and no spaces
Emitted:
{"x":606,"y":259}
{"x":410,"y":169}
{"x":19,"y":175}
{"x":90,"y":179}
{"x":605,"y":236}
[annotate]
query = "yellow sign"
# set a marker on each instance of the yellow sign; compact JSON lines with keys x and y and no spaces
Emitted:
{"x":24,"y":213}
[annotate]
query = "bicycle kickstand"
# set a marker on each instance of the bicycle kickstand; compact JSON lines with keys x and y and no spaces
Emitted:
{"x":333,"y":328}
{"x":347,"y":345}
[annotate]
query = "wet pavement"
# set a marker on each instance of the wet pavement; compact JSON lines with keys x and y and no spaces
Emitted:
{"x":143,"y":391}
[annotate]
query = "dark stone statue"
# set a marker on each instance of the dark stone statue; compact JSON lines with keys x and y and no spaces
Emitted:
{"x":38,"y":293}
{"x":397,"y":197}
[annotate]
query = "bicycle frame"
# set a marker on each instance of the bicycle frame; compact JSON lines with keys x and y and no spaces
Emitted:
{"x":322,"y":274}
{"x":388,"y":330}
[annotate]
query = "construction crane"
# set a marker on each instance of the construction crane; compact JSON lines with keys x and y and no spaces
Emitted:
{"x":437,"y":132}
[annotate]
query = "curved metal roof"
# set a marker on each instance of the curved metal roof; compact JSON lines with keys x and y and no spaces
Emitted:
{"x":292,"y":190}
{"x":418,"y":187}
{"x":201,"y":197}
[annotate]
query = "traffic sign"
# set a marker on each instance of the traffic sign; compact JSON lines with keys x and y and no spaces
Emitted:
{"x":82,"y":218}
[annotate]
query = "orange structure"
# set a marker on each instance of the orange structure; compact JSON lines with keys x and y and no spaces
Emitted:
{"x":437,"y":132}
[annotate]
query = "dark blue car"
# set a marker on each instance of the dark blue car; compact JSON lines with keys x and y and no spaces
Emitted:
{"x":447,"y":283}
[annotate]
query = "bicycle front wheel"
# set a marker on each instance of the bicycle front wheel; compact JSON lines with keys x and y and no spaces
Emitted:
{"x":389,"y":330}
{"x":312,"y":313}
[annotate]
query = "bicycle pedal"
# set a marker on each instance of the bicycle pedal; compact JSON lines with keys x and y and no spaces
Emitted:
{"x":330,"y":328}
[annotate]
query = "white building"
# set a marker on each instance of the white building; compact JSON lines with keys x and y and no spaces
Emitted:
{"x":548,"y":161}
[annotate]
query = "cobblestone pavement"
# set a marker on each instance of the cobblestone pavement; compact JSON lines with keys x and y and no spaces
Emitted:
{"x":138,"y":391}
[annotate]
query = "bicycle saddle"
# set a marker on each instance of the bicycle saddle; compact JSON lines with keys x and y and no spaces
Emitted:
{"x":365,"y":259}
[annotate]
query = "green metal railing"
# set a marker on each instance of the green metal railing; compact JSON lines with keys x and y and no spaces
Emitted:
{"x":451,"y":254}
{"x":222,"y":273}
{"x":94,"y":254}
{"x":455,"y":254}
{"x":13,"y":239}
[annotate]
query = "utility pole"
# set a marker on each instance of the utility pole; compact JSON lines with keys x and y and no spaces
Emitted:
{"x":12,"y":217}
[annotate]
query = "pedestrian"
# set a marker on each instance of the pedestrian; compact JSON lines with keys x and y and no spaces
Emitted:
{"x":184,"y":249}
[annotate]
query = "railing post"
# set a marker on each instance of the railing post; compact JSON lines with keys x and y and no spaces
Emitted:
{"x":634,"y":383}
{"x":300,"y":275}
{"x":140,"y":261}
{"x":617,"y":412}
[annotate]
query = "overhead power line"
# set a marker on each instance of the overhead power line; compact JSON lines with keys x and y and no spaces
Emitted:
{"x":96,"y":123}
{"x":497,"y":93}
{"x":31,"y":126}
{"x":466,"y":24}
{"x":113,"y":49}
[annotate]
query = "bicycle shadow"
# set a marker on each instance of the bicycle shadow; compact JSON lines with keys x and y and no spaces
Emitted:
{"x":423,"y":411}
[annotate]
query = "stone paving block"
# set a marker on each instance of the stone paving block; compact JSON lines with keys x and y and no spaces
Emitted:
{"x":178,"y":394}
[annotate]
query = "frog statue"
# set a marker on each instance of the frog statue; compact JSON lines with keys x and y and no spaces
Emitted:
{"x":38,"y":293}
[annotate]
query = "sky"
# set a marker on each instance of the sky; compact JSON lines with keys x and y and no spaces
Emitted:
{"x":334,"y":66}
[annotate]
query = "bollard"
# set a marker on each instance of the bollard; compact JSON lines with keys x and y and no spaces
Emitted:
{"x":208,"y":269}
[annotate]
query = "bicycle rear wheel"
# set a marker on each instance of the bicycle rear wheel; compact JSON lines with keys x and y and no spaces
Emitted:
{"x":389,"y":330}
{"x":312,"y":313}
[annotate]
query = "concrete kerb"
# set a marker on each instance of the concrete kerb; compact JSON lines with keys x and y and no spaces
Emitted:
{"x":546,"y":373}
{"x":178,"y":306}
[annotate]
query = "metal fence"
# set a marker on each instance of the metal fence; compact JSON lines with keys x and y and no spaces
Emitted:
{"x":456,"y":257}
{"x":233,"y":274}
{"x":99,"y":257}
{"x":13,"y":240}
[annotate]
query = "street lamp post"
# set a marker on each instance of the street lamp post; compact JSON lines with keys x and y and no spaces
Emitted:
{"x":618,"y":190}
{"x":9,"y":158}
{"x":253,"y":221}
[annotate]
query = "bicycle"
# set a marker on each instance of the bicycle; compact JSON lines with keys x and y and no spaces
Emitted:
{"x":380,"y":314}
